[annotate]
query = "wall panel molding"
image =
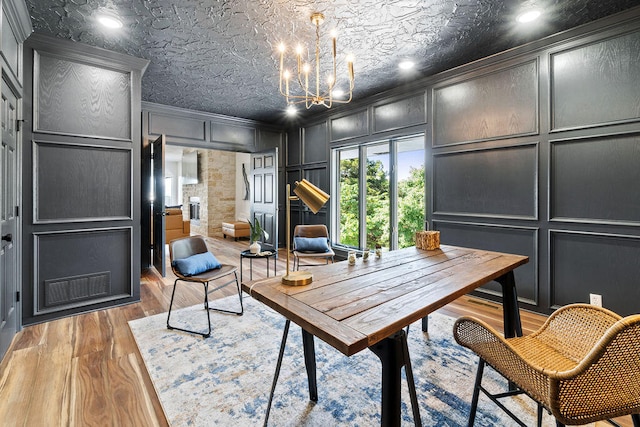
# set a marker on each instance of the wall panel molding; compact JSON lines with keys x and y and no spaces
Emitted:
{"x":77,"y":268}
{"x":584,"y":262}
{"x":314,"y":143}
{"x":350,"y":126}
{"x":204,"y":130}
{"x":177,"y":127}
{"x":81,"y":183}
{"x":497,"y":182}
{"x":500,"y":238}
{"x":594,"y":180}
{"x":595,"y":84}
{"x":64,"y":105}
{"x":503,"y":103}
{"x":400,"y":114}
{"x":81,"y":173}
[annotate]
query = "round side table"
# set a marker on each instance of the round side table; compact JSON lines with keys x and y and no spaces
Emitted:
{"x":266,"y":254}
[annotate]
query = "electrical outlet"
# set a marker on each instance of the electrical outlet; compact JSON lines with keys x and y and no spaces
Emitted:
{"x":595,"y":299}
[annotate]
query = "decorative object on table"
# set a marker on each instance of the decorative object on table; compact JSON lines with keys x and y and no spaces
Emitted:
{"x":428,"y":240}
{"x":305,"y":95}
{"x":256,"y":236}
{"x":365,"y":254}
{"x":314,"y":198}
{"x":378,"y":251}
{"x":352,"y":257}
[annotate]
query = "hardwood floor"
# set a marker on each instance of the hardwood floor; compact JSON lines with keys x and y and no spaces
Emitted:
{"x":86,"y":369}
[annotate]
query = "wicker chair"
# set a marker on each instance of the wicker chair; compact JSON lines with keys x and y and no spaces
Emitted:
{"x":582,"y":365}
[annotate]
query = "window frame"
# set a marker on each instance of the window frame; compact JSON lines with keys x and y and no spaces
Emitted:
{"x":361,"y":146}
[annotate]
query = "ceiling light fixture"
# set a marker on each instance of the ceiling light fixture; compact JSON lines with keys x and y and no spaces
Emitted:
{"x":406,"y":65}
{"x":110,"y":21}
{"x":528,"y":16}
{"x":306,"y":95}
{"x":291,"y":110}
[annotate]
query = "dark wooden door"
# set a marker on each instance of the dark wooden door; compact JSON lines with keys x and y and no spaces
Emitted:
{"x":264,"y":195}
{"x":157,"y":208}
{"x":8,"y":220}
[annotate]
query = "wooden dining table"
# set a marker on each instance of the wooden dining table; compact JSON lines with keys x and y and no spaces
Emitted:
{"x":367,"y":305}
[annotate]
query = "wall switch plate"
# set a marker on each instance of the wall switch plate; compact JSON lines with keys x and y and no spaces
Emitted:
{"x":595,"y":299}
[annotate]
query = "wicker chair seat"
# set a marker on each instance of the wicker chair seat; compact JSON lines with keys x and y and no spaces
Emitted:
{"x":583,"y":364}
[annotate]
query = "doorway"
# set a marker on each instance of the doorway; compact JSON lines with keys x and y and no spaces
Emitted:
{"x":200,"y":189}
{"x":208,"y":185}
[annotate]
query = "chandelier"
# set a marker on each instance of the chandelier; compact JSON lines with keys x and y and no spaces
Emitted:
{"x":313,"y":95}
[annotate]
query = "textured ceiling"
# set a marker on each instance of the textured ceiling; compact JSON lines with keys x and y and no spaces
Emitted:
{"x":220,"y":56}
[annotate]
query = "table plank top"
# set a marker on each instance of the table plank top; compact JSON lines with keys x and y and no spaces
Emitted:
{"x":354,"y":307}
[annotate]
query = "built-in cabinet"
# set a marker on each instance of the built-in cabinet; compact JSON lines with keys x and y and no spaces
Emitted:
{"x":534,"y":151}
{"x":81,"y":178}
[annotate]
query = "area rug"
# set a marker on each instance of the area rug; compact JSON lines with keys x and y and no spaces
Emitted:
{"x":225,"y":379}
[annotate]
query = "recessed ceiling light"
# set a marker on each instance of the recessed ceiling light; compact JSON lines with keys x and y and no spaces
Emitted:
{"x":291,"y":110}
{"x":528,"y":16}
{"x":406,"y":65}
{"x":110,"y":21}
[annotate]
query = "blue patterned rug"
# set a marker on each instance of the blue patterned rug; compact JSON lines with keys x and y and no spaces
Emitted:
{"x":225,"y":379}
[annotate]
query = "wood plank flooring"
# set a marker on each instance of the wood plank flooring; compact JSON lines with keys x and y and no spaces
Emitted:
{"x":86,"y":369}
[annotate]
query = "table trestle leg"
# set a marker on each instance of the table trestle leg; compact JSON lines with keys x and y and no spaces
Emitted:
{"x":393,"y":353}
{"x":310,"y":364}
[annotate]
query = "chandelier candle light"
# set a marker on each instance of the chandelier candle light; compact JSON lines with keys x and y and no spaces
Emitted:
{"x":309,"y":97}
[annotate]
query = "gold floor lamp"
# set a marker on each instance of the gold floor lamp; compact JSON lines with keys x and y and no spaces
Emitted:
{"x":314,"y":198}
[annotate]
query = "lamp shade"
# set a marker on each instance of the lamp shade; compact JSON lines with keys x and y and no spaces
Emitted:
{"x":310,"y":195}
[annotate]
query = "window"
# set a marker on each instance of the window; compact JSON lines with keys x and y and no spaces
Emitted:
{"x":380,"y":193}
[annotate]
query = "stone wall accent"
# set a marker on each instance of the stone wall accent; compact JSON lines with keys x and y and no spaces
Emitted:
{"x":216,"y":189}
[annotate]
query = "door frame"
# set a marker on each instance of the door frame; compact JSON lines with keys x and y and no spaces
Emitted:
{"x":17,"y":237}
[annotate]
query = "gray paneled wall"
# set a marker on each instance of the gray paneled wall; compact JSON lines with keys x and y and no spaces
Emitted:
{"x":601,"y":263}
{"x":400,"y":114}
{"x":534,"y":151}
{"x":596,"y":83}
{"x":73,"y":98}
{"x":82,"y":185}
{"x":503,"y":103}
{"x":519,"y":240}
{"x":497,"y":182}
{"x":79,"y":267}
{"x":77,"y":182}
{"x":314,"y":143}
{"x":351,"y":126}
{"x":604,"y":170}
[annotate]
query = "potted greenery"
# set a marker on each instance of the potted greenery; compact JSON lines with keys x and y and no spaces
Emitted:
{"x":256,"y":236}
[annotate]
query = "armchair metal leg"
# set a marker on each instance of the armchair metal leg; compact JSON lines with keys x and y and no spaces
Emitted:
{"x":277,"y":373}
{"x":239,"y":313}
{"x":476,"y":393}
{"x":206,"y":304}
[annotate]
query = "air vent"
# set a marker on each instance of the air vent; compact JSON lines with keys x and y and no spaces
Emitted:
{"x":68,"y":290}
